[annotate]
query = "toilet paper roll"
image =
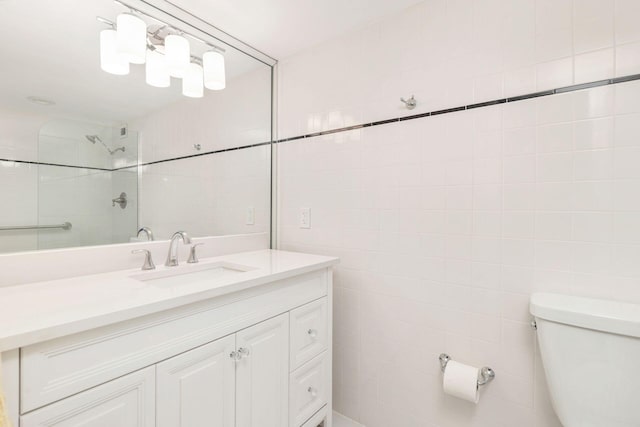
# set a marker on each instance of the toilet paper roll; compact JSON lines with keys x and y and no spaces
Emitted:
{"x":461,"y":381}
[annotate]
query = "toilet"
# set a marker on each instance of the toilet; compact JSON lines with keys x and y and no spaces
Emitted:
{"x":590,"y":351}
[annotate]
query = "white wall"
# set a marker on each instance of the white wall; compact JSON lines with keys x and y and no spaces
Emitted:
{"x":445,"y":225}
{"x":207,"y":195}
{"x":236,"y":116}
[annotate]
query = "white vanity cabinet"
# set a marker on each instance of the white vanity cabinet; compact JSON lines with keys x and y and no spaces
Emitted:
{"x":259,"y":357}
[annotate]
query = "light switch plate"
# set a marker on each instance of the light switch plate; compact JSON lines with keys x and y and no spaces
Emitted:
{"x":305,"y":217}
{"x":251,"y":215}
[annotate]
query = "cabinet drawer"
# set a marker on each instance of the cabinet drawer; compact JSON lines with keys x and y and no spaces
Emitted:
{"x":309,"y":332}
{"x":308,"y":390}
{"x":126,"y":402}
{"x":318,"y":420}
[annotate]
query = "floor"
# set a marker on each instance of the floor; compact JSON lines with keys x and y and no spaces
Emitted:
{"x":342,"y":421}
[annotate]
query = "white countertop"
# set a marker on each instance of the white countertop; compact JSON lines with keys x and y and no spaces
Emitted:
{"x":37,"y":312}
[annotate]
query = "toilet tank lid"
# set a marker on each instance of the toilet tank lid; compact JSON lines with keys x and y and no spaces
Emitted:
{"x":602,"y":315}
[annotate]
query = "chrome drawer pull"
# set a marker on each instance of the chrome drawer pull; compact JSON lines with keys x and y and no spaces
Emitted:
{"x":313,"y":333}
{"x":313,"y":391}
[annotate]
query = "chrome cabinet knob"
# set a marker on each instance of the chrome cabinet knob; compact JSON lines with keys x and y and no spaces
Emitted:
{"x":243,"y":352}
{"x":312,"y":391}
{"x":313,"y":333}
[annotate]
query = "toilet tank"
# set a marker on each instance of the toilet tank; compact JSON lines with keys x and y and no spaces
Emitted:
{"x":591,"y":356}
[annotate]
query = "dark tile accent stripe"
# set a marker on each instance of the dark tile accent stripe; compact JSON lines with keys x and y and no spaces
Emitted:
{"x":190,"y":156}
{"x":448,"y":111}
{"x":384,"y":122}
{"x":531,"y":95}
{"x":28,"y":162}
{"x":207,"y":153}
{"x":487,"y":104}
{"x":415,"y":116}
{"x":625,"y":79}
{"x":550,"y":92}
{"x":582,"y":86}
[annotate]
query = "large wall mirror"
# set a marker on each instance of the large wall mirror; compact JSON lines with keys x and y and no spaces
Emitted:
{"x":95,"y":145}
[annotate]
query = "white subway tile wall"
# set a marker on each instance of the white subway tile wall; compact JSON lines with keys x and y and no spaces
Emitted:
{"x":446,"y":224}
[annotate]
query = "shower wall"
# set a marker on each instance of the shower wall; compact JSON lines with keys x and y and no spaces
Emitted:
{"x":66,"y":183}
{"x":19,"y":189}
{"x":446,"y":224}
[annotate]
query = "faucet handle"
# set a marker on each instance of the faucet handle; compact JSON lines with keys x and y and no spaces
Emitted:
{"x":193,"y":258}
{"x":148,"y":261}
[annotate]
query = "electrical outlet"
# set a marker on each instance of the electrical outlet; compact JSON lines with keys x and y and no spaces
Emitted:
{"x":305,"y":217}
{"x":251,"y":216}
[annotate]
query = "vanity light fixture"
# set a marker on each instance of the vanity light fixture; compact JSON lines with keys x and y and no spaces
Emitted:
{"x":131,"y":38}
{"x":110,"y":60}
{"x":156,"y":72}
{"x":214,"y":75}
{"x":164,"y":49}
{"x":192,"y":82}
{"x":177,"y":53}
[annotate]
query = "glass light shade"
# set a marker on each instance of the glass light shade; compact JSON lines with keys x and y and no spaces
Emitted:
{"x":178,"y":55}
{"x":156,"y":71}
{"x":110,"y":60}
{"x":214,"y":74}
{"x":192,"y":82}
{"x":132,"y":38}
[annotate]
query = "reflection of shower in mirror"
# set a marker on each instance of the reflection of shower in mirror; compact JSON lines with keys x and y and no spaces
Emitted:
{"x":95,"y":138}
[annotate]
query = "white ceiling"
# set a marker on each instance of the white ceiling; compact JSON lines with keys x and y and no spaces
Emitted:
{"x":281,"y":28}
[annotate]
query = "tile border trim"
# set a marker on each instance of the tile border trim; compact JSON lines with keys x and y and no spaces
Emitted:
{"x":564,"y":89}
{"x":560,"y":90}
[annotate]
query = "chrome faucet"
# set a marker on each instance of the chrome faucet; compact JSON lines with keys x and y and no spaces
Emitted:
{"x":172,"y":258}
{"x":147,"y":231}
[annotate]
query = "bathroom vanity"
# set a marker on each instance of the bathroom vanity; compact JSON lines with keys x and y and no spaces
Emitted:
{"x":238,"y":340}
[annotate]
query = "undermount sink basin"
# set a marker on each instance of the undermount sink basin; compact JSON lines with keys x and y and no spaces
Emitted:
{"x":184,"y":275}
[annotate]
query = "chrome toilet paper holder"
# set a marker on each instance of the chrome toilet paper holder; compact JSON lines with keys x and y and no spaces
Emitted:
{"x":486,"y":374}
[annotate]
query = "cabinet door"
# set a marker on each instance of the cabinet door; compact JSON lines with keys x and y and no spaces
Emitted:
{"x":126,"y":402}
{"x":262,"y":374}
{"x":197,"y":388}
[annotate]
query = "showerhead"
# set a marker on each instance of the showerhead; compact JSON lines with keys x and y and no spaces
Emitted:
{"x":93,"y":138}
